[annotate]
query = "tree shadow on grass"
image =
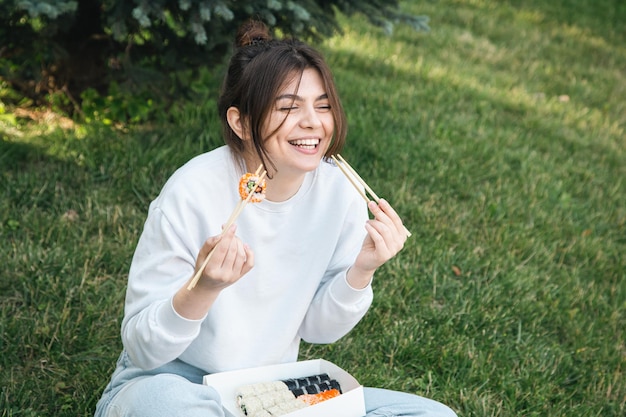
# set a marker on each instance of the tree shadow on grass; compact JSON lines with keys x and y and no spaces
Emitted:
{"x":59,"y":285}
{"x":14,"y":153}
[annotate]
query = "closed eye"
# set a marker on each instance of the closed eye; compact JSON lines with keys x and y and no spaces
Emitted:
{"x":289,"y":101}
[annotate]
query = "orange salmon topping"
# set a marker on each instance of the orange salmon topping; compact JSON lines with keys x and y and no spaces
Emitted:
{"x":312,"y":399}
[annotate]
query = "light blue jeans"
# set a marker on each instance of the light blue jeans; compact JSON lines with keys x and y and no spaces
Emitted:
{"x":176,"y":389}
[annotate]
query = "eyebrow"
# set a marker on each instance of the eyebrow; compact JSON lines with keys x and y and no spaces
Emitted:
{"x":296,"y":97}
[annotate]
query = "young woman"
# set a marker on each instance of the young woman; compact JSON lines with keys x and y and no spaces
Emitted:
{"x":296,"y":266}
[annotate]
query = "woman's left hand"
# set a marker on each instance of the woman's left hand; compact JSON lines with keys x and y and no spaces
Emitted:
{"x":385,"y":238}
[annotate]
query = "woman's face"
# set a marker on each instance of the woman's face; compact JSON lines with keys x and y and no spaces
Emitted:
{"x":300,"y":125}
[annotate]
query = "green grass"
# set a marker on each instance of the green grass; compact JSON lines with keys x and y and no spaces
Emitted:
{"x":500,"y":138}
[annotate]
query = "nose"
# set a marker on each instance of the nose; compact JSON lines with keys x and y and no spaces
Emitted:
{"x":310,"y":119}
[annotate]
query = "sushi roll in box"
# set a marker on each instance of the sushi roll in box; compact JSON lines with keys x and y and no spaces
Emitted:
{"x":349,"y":404}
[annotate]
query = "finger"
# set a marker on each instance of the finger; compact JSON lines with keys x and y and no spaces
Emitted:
{"x":249,"y":261}
{"x":214,"y":240}
{"x":242,"y":258}
{"x":376,"y":252}
{"x":392,"y":238}
{"x":207,"y":250}
{"x":374,"y":234}
{"x":384,"y":207}
{"x":385,"y":213}
{"x":235,"y":257}
{"x":208,"y":246}
{"x":378,"y":212}
{"x":375,"y":230}
{"x":222,"y":247}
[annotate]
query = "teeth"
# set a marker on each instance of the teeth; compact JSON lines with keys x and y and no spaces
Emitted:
{"x":305,"y":142}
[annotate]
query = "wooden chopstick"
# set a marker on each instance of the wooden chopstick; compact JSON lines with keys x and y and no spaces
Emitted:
{"x":351,"y":179}
{"x":236,"y":212}
{"x":352,"y":175}
{"x":358,"y":177}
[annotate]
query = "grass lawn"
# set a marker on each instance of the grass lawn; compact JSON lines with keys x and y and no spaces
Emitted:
{"x":500,"y":137}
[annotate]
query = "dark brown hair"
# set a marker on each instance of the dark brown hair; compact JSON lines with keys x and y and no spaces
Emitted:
{"x":259,"y":67}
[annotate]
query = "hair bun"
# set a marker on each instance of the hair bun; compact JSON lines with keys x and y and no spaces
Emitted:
{"x":251,"y":32}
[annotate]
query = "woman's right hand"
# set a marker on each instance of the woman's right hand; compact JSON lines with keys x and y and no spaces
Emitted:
{"x":230,"y":261}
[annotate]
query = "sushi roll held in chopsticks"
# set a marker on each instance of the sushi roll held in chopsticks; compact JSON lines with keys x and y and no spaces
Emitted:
{"x":252,"y":183}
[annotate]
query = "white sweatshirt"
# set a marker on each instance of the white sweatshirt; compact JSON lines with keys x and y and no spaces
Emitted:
{"x":296,"y":290}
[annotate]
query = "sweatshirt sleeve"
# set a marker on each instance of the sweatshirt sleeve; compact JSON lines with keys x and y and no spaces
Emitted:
{"x":337,"y":307}
{"x":335,"y":310}
{"x":152,"y":332}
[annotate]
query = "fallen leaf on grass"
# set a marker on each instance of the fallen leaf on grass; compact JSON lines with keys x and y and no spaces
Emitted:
{"x":70,"y":215}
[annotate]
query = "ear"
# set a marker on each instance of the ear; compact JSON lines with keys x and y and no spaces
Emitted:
{"x":236,"y":123}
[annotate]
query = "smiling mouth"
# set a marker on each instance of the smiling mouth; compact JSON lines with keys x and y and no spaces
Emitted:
{"x":305,"y":143}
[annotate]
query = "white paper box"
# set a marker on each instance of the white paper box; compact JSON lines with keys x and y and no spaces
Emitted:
{"x":349,"y":404}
